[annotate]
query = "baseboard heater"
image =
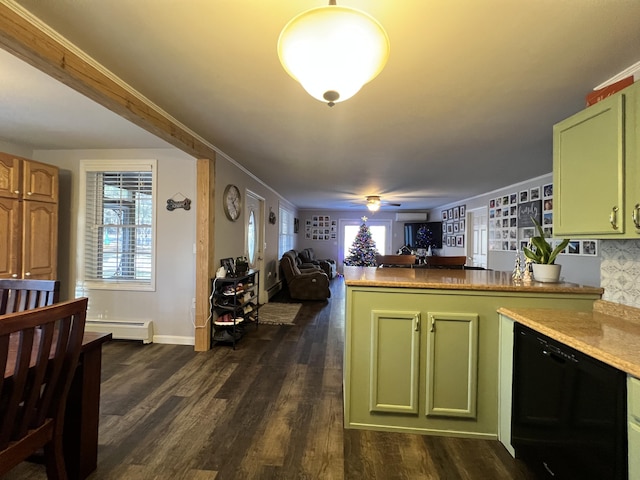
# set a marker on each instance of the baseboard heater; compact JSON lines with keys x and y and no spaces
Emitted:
{"x":274,"y":289}
{"x":123,"y":329}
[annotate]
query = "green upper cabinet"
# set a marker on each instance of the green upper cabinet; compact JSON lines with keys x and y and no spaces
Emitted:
{"x":595,"y":170}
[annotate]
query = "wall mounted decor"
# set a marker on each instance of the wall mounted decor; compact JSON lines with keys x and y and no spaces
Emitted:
{"x":232,"y":202}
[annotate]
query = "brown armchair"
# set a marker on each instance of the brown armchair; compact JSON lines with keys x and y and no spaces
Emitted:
{"x":307,"y":285}
{"x":328,"y":266}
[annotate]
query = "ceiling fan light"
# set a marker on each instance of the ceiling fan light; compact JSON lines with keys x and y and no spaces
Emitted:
{"x":373,"y":207}
{"x":333,"y":51}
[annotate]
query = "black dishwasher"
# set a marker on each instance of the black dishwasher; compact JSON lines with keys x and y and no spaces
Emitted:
{"x":569,"y":410}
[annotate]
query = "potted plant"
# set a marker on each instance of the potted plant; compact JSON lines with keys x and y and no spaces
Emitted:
{"x":543,"y":256}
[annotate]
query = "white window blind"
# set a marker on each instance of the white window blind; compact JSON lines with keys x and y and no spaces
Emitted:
{"x":285,"y":242}
{"x":119,"y":233}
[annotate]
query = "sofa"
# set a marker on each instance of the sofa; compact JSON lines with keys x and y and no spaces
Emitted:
{"x":306,"y":284}
{"x":328,"y":266}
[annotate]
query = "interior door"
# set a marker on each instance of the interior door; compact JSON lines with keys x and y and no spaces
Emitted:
{"x":477,"y":221}
{"x":254,"y":238}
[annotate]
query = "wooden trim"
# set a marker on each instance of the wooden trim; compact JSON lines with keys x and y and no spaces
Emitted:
{"x":205,"y":218}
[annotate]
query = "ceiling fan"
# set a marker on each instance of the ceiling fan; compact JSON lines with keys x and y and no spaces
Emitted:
{"x":374,"y":203}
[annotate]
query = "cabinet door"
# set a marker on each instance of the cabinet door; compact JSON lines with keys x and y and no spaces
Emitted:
{"x":633,"y":408}
{"x":40,"y":240}
{"x":452,"y":364}
{"x":395,"y":360}
{"x":588,"y":170}
{"x":9,"y":176}
{"x":40,"y":182}
{"x":9,"y":237}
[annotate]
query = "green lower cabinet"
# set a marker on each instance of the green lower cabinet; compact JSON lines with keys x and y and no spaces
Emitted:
{"x":633,"y":410}
{"x":426,"y":361}
{"x":395,"y":357}
{"x":452,"y":364}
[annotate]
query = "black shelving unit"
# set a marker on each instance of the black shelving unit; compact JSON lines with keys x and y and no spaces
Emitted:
{"x":234,"y":302}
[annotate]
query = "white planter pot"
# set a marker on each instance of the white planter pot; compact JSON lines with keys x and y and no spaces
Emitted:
{"x":546,"y":273}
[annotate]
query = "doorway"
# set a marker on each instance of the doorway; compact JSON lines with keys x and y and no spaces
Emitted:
{"x":477,"y":226}
{"x":348,"y":229}
{"x":254,"y":238}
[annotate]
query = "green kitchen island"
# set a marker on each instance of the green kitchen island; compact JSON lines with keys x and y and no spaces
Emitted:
{"x":422,"y":345}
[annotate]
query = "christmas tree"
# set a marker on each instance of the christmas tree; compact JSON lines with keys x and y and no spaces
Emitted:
{"x":363,"y":251}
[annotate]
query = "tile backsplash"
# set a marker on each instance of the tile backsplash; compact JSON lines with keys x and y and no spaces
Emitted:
{"x":620,"y":271}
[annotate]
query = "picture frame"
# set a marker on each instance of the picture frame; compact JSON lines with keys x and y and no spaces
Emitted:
{"x":444,"y":216}
{"x":547,"y":190}
{"x":463,"y":211}
{"x":296,"y":225}
{"x":456,"y":213}
{"x":534,"y":193}
{"x":228,"y":265}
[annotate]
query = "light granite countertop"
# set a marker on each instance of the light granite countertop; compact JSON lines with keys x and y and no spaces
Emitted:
{"x":610,"y":333}
{"x":451,"y":279}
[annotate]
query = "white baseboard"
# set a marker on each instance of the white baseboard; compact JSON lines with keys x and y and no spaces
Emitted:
{"x":122,"y":329}
{"x":174,"y":340}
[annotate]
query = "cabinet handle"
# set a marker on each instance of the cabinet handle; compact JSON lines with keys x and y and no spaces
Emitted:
{"x":417,"y":320}
{"x":433,"y":324}
{"x":613,"y":218}
{"x":634,"y":216}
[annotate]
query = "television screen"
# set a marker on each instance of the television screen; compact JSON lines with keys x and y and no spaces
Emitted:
{"x":423,"y":235}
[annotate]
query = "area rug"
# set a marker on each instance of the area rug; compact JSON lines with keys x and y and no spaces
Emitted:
{"x":278,"y":313}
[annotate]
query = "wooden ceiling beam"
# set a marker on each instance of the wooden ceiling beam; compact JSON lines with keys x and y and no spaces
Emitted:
{"x":24,"y":38}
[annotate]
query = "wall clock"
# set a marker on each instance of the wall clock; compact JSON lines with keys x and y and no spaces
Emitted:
{"x":232,"y":202}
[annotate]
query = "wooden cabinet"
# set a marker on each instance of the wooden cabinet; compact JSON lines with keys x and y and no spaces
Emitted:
{"x":28,"y":218}
{"x":633,"y":411}
{"x":426,"y":360}
{"x":596,"y":169}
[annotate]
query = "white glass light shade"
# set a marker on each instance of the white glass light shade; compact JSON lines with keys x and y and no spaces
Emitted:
{"x":373,"y":206}
{"x":333,"y":51}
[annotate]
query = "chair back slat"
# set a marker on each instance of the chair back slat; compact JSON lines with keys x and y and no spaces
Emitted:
{"x":39,"y":350}
{"x":18,"y":295}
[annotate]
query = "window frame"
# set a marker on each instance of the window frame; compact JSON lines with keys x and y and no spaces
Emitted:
{"x":286,"y":240}
{"x":124,"y":166}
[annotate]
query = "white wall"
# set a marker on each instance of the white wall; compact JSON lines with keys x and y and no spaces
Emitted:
{"x":170,"y":305}
{"x":230,"y":236}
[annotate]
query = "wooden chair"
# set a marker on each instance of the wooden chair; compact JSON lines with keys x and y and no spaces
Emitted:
{"x":18,"y":295}
{"x":396,"y":260}
{"x":39,"y":352}
{"x":446,"y":262}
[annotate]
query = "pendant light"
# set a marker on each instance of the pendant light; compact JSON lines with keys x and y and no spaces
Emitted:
{"x":333,"y":51}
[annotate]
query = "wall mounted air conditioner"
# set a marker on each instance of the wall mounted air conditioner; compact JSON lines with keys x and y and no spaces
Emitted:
{"x":411,"y":217}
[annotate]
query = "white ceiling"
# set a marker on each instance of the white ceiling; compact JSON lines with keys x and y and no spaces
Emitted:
{"x":465,"y":104}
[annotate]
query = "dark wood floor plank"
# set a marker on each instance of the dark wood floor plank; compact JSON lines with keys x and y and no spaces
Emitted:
{"x":270,"y":409}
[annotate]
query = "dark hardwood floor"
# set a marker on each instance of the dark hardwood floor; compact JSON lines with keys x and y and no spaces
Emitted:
{"x":271,"y":409}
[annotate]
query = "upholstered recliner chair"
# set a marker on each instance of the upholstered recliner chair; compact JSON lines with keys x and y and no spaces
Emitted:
{"x":328,"y":266}
{"x":308,"y":285}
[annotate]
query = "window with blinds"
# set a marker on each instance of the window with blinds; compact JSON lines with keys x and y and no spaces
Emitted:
{"x":285,"y":242}
{"x":119,"y":233}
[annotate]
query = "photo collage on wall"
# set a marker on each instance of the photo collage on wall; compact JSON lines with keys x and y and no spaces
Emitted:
{"x":453,"y":226}
{"x":321,"y":227}
{"x":511,"y":226}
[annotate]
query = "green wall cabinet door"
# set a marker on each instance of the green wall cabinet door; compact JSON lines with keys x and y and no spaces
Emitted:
{"x":633,"y":410}
{"x":452,"y":364}
{"x":595,"y":170}
{"x":395,"y":359}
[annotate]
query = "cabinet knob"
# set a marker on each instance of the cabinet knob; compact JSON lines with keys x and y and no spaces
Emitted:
{"x":17,"y":192}
{"x":29,"y":193}
{"x":15,"y":275}
{"x":28,"y":274}
{"x":635,"y":217}
{"x":613,"y":218}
